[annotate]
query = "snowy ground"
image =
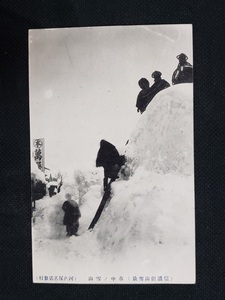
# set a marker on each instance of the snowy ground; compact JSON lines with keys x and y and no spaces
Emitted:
{"x":146,"y":234}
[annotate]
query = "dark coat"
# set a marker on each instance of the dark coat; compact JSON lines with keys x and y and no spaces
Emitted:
{"x":108,"y":157}
{"x":142,"y":100}
{"x":72,"y":212}
{"x":183,"y":74}
{"x":158,"y":86}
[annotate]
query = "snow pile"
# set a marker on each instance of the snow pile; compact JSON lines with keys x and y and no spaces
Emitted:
{"x":163,"y":138}
{"x":49,"y":214}
{"x":148,"y":225}
{"x":156,"y":206}
{"x":48,"y":218}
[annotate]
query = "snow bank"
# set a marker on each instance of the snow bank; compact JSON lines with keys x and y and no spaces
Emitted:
{"x":163,"y":139}
{"x":148,"y":226}
{"x":156,"y":206}
{"x":48,"y":217}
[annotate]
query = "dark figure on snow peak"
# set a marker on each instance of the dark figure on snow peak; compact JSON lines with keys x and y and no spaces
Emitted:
{"x":142,"y":101}
{"x":72,"y":215}
{"x":108,"y":157}
{"x":184,"y":71}
{"x":159,"y":83}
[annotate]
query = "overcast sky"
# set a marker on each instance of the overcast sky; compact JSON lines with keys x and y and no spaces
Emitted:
{"x":83,"y":84}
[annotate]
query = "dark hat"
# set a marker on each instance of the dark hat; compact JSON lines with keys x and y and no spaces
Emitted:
{"x":156,"y":74}
{"x":182,"y":55}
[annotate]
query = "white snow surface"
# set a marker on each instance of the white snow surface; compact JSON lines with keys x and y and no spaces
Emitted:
{"x":147,"y":228}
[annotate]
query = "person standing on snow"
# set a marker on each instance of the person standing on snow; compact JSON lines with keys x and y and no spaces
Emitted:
{"x":141,"y":103}
{"x":108,"y":157}
{"x":184,"y":70}
{"x":72,"y":215}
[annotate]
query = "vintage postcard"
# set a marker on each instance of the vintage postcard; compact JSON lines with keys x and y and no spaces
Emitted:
{"x":112,"y":160}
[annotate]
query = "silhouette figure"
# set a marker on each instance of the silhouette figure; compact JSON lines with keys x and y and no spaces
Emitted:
{"x":184,"y":70}
{"x":150,"y":92}
{"x":72,"y":215}
{"x":108,"y":157}
{"x":142,"y":100}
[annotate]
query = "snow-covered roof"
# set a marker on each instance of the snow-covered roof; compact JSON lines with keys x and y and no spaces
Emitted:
{"x":36,"y":172}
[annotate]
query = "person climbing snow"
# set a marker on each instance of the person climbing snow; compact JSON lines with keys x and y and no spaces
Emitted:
{"x":71,"y":216}
{"x":108,"y":157}
{"x":184,"y":70}
{"x":142,"y":101}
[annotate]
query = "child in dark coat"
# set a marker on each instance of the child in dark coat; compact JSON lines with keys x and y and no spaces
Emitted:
{"x":72,"y":215}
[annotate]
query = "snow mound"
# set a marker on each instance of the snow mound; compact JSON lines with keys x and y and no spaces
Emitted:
{"x":163,"y":139}
{"x":48,"y":218}
{"x":156,"y":205}
{"x":148,"y":225}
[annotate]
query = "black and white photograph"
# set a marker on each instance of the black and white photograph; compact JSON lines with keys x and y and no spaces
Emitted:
{"x":112,"y":154}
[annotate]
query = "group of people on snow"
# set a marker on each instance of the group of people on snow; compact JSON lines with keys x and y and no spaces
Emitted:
{"x":182,"y":74}
{"x":108,"y":156}
{"x":148,"y":93}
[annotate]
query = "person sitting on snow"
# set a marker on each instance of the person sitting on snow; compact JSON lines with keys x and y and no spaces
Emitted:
{"x":141,"y":103}
{"x":184,"y":70}
{"x":72,"y":215}
{"x":108,"y":157}
{"x":159,"y":83}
